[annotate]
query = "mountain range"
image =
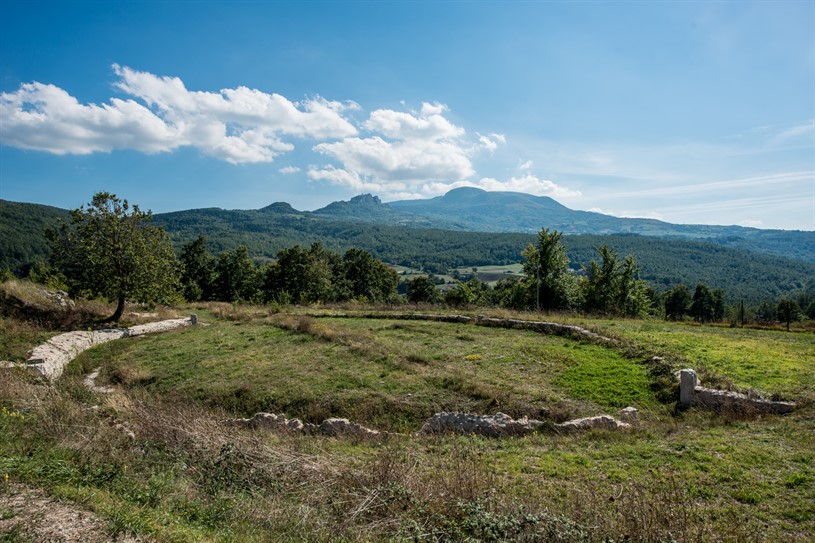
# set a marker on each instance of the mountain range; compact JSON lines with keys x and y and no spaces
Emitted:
{"x":477,"y":210}
{"x":468,"y":228}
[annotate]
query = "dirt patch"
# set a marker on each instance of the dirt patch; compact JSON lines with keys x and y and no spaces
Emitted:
{"x":28,"y":514}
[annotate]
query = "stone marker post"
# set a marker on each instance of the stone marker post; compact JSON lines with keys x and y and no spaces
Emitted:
{"x":687,"y":386}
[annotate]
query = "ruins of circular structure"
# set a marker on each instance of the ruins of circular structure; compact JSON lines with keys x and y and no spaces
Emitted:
{"x":50,"y":358}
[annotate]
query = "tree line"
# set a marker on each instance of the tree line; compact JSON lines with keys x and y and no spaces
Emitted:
{"x":298,"y":276}
{"x":663,"y":263}
{"x":112,"y":250}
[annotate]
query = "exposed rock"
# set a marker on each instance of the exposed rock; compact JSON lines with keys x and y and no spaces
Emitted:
{"x":630,"y":415}
{"x":600,"y":422}
{"x":687,"y":385}
{"x":329,"y":427}
{"x":90,"y":382}
{"x":50,"y":358}
{"x":725,"y":399}
{"x":344,"y":427}
{"x":60,"y":298}
{"x":690,"y":393}
{"x":496,"y":425}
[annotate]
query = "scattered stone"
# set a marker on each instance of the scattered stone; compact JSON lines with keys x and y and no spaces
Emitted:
{"x":125,"y":430}
{"x":630,"y":415}
{"x":90,"y":382}
{"x":600,"y":422}
{"x":329,"y":427}
{"x":344,"y":427}
{"x":60,"y":298}
{"x":497,"y":425}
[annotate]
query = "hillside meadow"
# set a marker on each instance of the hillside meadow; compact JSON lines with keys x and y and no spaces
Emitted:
{"x":186,"y":476}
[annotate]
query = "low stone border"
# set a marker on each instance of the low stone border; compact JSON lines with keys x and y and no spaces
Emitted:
{"x":549,"y":328}
{"x":691,"y":393}
{"x":498,"y":425}
{"x":330,"y":427}
{"x":50,"y":358}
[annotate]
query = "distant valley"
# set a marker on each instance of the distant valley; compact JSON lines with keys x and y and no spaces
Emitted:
{"x":477,"y":210}
{"x":470,"y":227}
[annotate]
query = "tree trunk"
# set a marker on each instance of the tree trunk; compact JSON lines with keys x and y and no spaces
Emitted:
{"x":119,"y":309}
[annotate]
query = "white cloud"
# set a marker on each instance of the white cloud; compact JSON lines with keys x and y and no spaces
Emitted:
{"x":238,"y":125}
{"x":46,"y":118}
{"x":528,"y":183}
{"x":403,"y":153}
{"x":430,"y":125}
{"x":526,"y":165}
{"x":289,"y":170}
{"x":490,"y":143}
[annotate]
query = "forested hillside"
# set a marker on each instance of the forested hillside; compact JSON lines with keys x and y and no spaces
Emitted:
{"x":743,"y":275}
{"x":22,"y":233}
{"x":478,"y":210}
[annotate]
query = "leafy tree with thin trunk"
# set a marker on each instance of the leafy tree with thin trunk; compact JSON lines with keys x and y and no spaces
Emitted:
{"x":677,"y":302}
{"x":198,"y":270}
{"x":612,"y":287}
{"x":422,"y":289}
{"x":110,"y":249}
{"x":546,"y":269}
{"x":707,"y":305}
{"x":788,"y":311}
{"x":237,"y":278}
{"x":366,"y":278}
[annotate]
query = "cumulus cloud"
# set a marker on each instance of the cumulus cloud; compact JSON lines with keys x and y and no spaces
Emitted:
{"x":490,"y":142}
{"x":526,"y":165}
{"x":530,"y":184}
{"x":239,"y":125}
{"x":405,"y":154}
{"x":46,"y":118}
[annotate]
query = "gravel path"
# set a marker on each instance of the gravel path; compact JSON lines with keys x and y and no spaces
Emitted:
{"x":27,"y":514}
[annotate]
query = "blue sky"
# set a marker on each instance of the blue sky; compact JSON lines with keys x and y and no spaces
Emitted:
{"x":690,"y":112}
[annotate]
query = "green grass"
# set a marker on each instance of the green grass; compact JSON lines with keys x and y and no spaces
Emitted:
{"x":17,"y":338}
{"x":775,"y":362}
{"x":389,"y":373}
{"x":685,"y":476}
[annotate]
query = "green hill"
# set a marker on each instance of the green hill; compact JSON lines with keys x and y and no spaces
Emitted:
{"x":664,"y":262}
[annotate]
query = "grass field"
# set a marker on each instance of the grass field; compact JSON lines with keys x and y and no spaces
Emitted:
{"x":679,"y":476}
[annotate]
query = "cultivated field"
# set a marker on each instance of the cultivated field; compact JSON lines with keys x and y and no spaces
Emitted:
{"x":185,"y":476}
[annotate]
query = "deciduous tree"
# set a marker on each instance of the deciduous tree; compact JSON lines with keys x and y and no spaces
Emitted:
{"x":198,"y":270}
{"x":422,"y":289}
{"x":677,"y":302}
{"x":546,"y":269}
{"x":110,"y":249}
{"x":788,"y":311}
